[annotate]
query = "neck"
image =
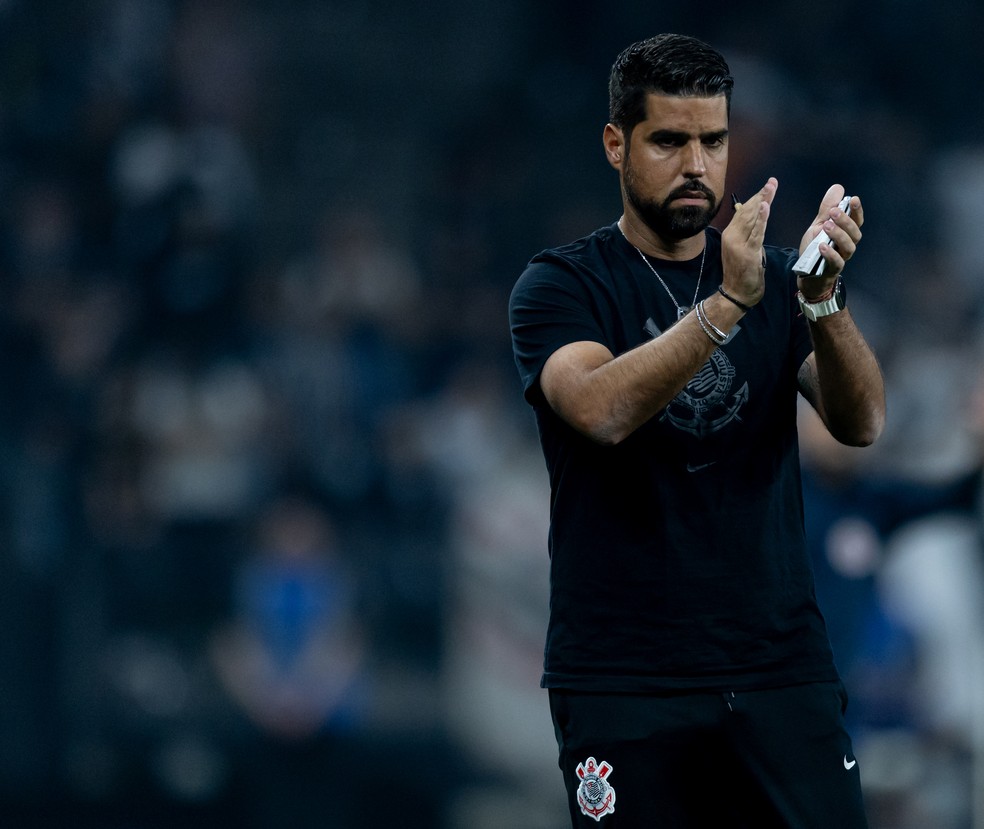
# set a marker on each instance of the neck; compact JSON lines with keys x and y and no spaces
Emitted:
{"x":641,"y":236}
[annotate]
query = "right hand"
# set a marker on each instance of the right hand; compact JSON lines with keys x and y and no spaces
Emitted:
{"x":742,"y":256}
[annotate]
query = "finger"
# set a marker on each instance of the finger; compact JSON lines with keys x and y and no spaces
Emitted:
{"x":847,"y":228}
{"x":857,"y":211}
{"x":835,"y":261}
{"x":756,"y":235}
{"x":843,"y":232}
{"x":830,"y":199}
{"x":753,"y":215}
{"x":767,"y":193}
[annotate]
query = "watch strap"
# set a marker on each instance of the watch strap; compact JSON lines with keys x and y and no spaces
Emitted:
{"x":815,"y":310}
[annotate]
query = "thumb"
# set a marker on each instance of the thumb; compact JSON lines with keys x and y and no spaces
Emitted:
{"x":830,"y":199}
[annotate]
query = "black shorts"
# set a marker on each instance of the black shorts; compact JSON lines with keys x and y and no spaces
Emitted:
{"x":773,"y":758}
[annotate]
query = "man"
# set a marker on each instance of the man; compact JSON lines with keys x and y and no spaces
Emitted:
{"x":690,"y":677}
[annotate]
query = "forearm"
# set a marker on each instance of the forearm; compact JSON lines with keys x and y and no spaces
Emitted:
{"x":608,"y":398}
{"x":843,"y":381}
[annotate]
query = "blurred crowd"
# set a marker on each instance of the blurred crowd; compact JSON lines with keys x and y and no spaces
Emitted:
{"x":272,"y":511}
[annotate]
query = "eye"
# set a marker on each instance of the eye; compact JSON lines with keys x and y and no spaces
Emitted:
{"x":668,"y":139}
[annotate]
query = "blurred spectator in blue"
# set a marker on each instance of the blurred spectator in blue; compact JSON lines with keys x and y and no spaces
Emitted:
{"x":293,"y":657}
{"x":317,"y":744}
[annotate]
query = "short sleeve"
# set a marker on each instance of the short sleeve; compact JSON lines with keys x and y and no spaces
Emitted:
{"x":549,"y":307}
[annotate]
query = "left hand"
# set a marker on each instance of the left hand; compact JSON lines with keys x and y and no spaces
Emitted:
{"x":844,"y":231}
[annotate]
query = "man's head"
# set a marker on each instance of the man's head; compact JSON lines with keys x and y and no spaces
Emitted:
{"x":668,"y":133}
{"x":667,"y":64}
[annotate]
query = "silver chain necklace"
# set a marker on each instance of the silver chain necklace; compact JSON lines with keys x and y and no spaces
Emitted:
{"x":681,"y":310}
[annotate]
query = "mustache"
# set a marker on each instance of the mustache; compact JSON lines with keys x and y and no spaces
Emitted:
{"x":689,"y":189}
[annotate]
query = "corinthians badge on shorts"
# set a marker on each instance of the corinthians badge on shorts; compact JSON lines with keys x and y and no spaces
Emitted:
{"x":595,"y":795}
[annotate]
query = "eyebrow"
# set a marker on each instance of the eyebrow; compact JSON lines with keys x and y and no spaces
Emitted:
{"x":682,"y":137}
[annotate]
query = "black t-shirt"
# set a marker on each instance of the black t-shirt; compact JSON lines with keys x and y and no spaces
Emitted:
{"x":678,"y":557}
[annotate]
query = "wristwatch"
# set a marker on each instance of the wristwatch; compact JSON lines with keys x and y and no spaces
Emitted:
{"x":814,"y":310}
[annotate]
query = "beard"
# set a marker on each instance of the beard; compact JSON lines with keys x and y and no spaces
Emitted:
{"x":676,"y":223}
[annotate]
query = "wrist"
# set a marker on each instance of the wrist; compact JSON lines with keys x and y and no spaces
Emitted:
{"x":814,"y":309}
{"x":718,"y":319}
{"x":744,"y":306}
{"x":822,"y":297}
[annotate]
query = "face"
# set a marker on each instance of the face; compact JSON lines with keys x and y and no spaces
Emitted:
{"x":673,"y":164}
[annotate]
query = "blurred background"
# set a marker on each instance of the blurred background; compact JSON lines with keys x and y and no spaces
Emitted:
{"x":272,"y":510}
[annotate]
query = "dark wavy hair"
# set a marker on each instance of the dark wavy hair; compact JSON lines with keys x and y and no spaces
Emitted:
{"x":668,"y":64}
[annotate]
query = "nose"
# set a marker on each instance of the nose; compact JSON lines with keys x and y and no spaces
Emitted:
{"x":694,"y":160}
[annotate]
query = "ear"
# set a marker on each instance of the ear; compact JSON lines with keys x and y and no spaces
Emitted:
{"x":614,"y":143}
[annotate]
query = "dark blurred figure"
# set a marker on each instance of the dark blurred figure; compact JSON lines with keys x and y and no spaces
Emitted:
{"x":881,"y":548}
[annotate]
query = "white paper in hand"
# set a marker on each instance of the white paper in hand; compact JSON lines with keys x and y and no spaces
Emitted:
{"x":807,"y":264}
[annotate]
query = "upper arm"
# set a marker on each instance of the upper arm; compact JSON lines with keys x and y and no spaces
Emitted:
{"x":549,"y":309}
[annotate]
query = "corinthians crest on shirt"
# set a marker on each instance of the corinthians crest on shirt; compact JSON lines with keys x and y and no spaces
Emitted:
{"x":708,"y":402}
{"x":595,"y":795}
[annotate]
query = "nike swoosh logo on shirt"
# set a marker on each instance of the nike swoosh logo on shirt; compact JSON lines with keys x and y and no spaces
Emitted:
{"x":849,"y":765}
